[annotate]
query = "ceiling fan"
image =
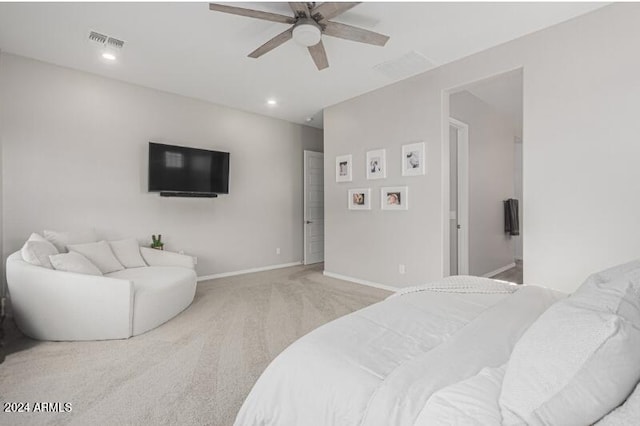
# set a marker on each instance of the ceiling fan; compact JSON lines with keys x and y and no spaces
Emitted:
{"x":309,"y":23}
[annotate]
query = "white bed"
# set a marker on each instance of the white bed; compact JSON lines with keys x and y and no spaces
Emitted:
{"x":434,"y":354}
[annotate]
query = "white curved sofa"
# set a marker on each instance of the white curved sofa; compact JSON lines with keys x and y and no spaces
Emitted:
{"x":57,"y":305}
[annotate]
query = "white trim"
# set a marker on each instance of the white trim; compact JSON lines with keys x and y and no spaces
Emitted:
{"x":445,"y":188}
{"x":248,"y":271}
{"x":359,"y":281}
{"x":463,"y":194}
{"x":499,"y":270}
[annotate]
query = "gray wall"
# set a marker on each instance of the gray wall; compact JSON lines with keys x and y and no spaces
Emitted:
{"x":580,"y":159}
{"x":75,"y":156}
{"x":491,"y":180}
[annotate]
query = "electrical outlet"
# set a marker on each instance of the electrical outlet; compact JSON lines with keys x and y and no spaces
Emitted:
{"x":278,"y":250}
{"x":401,"y":268}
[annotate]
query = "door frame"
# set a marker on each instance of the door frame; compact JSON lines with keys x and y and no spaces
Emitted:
{"x":304,"y":203}
{"x":463,"y":194}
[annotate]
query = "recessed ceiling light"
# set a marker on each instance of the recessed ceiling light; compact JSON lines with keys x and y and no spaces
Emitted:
{"x":272,"y":102}
{"x":109,"y":56}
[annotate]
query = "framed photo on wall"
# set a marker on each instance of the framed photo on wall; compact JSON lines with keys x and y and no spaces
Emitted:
{"x":360,"y":199}
{"x":394,"y":198}
{"x":413,"y":159}
{"x":344,"y":166}
{"x":377,"y":164}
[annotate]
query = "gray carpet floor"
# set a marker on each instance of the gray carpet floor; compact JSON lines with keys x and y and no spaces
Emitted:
{"x":194,"y":370}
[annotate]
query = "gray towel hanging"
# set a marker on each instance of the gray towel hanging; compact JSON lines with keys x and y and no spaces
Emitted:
{"x":511,"y":222}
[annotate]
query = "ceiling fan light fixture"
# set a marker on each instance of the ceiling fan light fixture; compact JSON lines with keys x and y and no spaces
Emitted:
{"x":307,"y":33}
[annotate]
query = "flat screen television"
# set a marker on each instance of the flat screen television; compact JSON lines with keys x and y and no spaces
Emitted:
{"x":182,"y":171}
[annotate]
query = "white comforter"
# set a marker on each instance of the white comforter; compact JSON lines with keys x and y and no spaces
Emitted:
{"x":382,"y":364}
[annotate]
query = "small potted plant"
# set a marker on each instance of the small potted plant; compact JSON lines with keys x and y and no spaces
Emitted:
{"x":157,"y":242}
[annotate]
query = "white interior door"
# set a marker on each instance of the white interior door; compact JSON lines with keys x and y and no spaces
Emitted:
{"x":459,"y":218}
{"x":313,"y":207}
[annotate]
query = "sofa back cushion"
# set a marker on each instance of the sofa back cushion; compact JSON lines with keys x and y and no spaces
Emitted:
{"x":128,"y":253}
{"x":74,"y":262}
{"x":37,"y":250}
{"x":62,"y":239}
{"x":99,"y":254}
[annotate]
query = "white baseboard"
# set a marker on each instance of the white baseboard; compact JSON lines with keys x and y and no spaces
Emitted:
{"x":248,"y":271}
{"x":499,"y":270}
{"x":359,"y":281}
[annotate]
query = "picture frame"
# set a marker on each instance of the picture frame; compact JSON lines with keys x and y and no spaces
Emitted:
{"x":394,"y":198}
{"x":376,"y":164}
{"x":344,"y":168}
{"x":359,"y":199}
{"x":414,"y":159}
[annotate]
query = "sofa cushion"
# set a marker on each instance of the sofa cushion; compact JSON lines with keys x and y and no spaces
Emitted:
{"x":62,"y":239}
{"x":160,"y":293}
{"x":99,"y":254}
{"x":37,"y":250}
{"x":74,"y":262}
{"x":128,"y":253}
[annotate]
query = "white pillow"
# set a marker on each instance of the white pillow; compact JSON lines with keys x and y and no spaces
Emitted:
{"x":128,"y":253}
{"x":99,"y":254}
{"x":578,"y":361}
{"x":37,"y":250}
{"x":62,"y":239}
{"x":74,"y":262}
{"x":620,"y":296}
{"x":36,"y":237}
{"x":612,"y":273}
{"x":625,"y":415}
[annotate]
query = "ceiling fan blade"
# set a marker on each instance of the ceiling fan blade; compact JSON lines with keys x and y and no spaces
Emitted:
{"x":300,"y":9}
{"x":272,"y":44}
{"x":336,"y":29}
{"x":330,"y":10}
{"x":258,"y":14}
{"x":319,"y":55}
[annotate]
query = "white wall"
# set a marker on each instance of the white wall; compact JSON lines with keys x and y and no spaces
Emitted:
{"x":491,"y":181}
{"x":75,"y":156}
{"x":517,"y":239}
{"x":580,"y":161}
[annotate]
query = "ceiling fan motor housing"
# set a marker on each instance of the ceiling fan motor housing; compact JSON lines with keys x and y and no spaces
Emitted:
{"x":307,"y":32}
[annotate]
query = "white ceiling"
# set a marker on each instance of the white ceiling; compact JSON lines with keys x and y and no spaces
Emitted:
{"x":186,"y":49}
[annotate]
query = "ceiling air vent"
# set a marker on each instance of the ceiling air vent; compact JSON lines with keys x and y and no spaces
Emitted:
{"x":105,"y":40}
{"x":114,"y":42}
{"x":97,"y":37}
{"x":409,"y":64}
